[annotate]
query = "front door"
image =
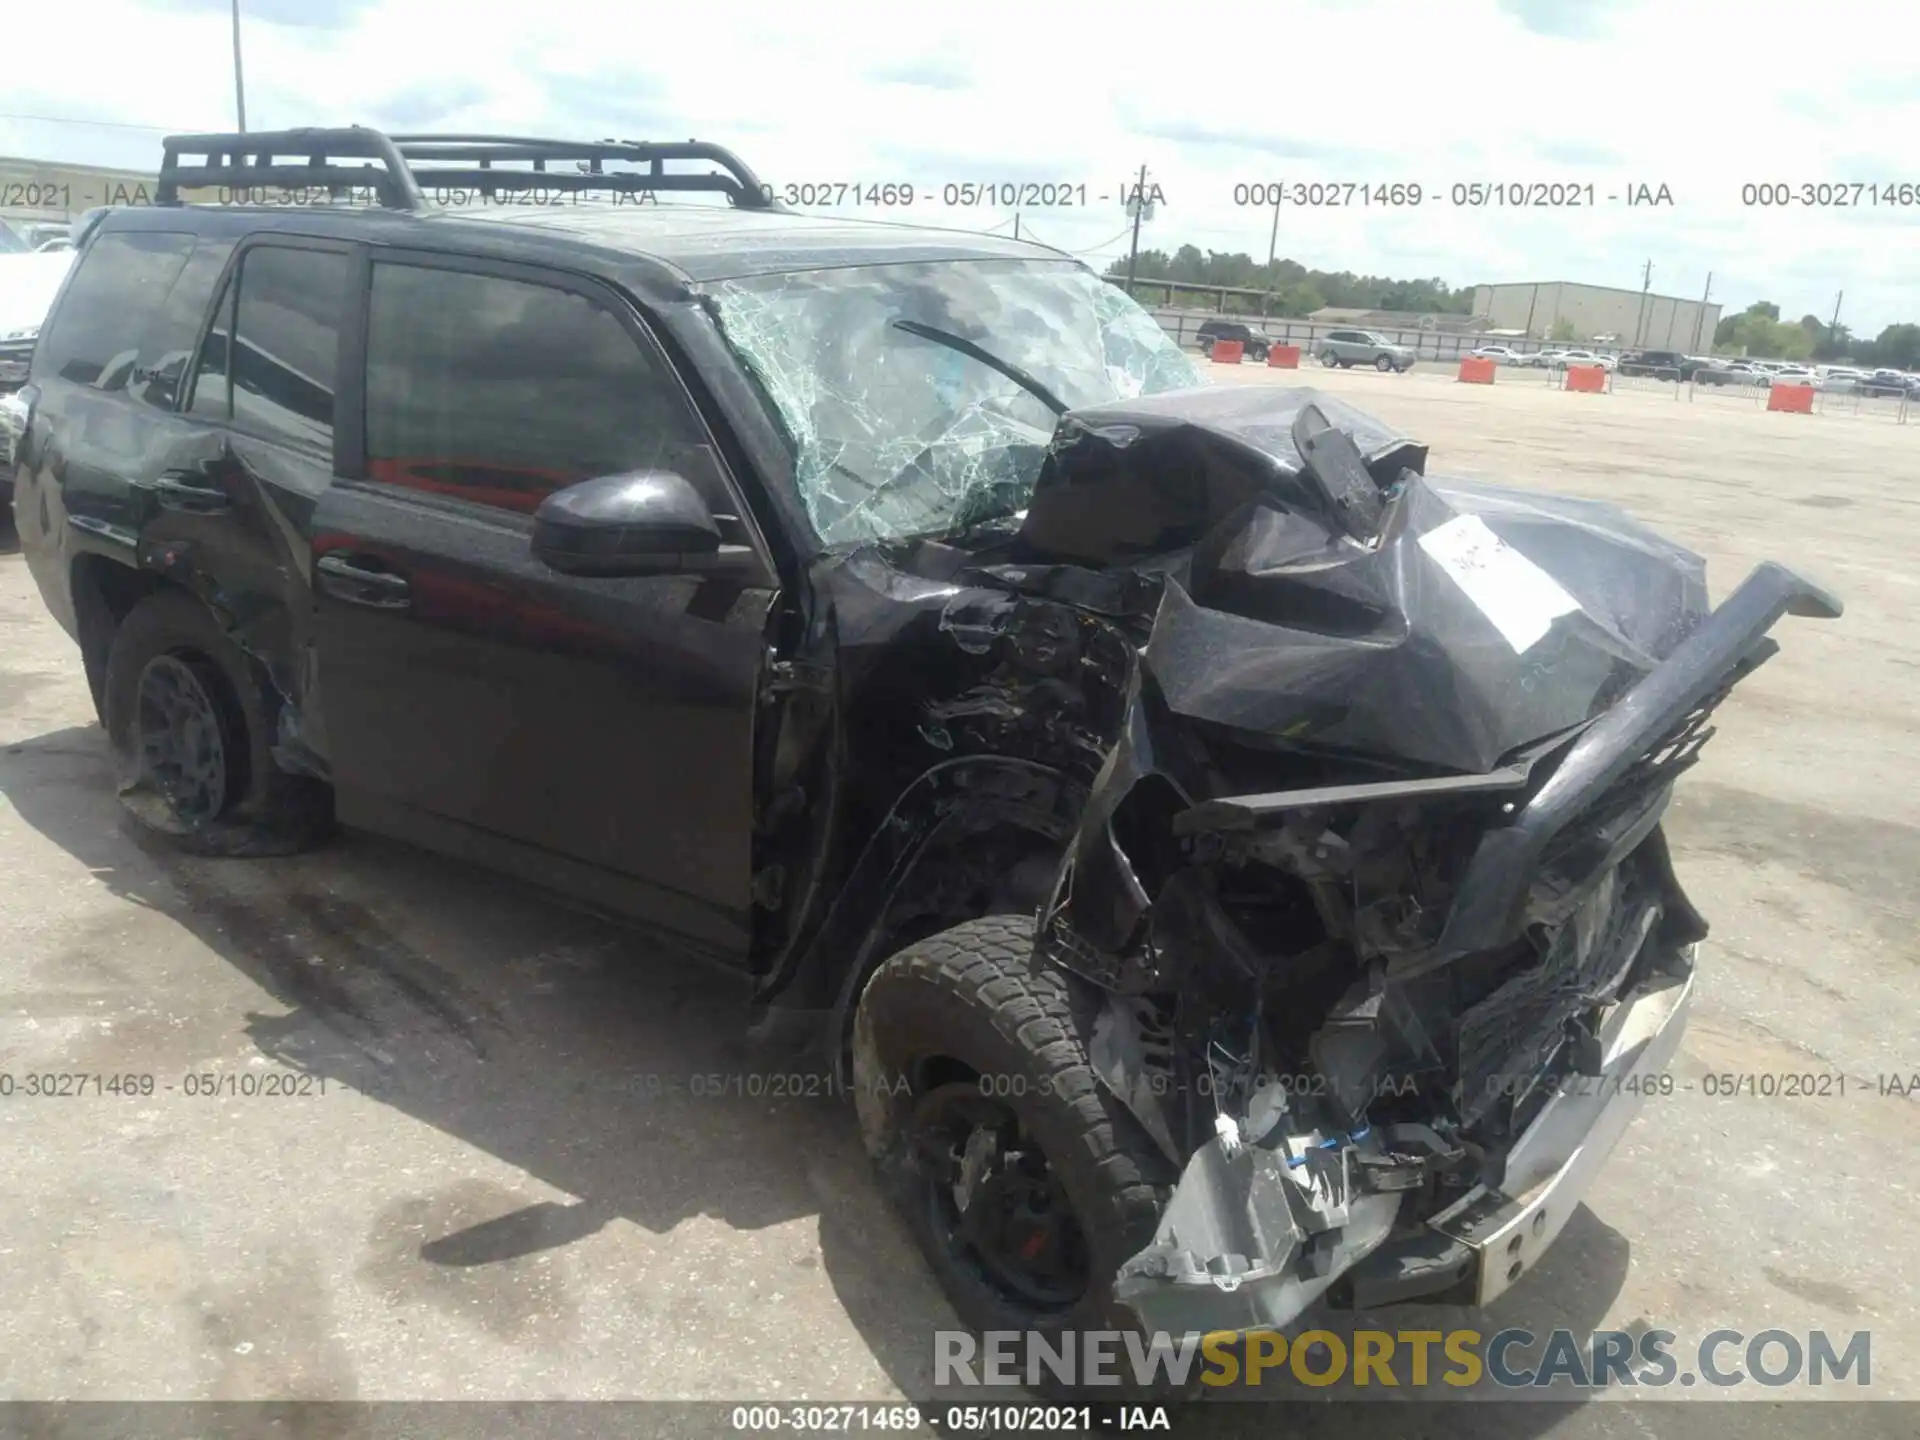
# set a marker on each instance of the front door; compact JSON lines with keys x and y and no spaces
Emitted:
{"x":595,"y":735}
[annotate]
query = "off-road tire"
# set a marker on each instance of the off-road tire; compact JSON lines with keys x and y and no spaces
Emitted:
{"x":267,"y":811}
{"x":976,"y":994}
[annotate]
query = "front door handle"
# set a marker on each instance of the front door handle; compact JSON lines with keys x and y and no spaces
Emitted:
{"x":348,"y":578}
{"x":188,"y":492}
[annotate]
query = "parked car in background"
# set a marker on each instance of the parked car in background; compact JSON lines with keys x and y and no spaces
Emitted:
{"x":29,"y":281}
{"x":1254,"y":344}
{"x":1544,"y":359}
{"x":1566,"y":358}
{"x":1792,"y":375}
{"x":1730,"y":372}
{"x":1499,"y":354}
{"x":40,"y":234}
{"x":1886,"y":381}
{"x":1362,"y":347}
{"x":1661,"y":364}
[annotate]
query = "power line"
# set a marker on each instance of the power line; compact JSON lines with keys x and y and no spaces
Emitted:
{"x":1106,"y":242}
{"x":102,"y":124}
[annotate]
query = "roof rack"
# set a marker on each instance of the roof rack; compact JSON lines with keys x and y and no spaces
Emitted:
{"x":310,"y":158}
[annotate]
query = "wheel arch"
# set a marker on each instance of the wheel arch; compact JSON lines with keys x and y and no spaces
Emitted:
{"x":104,"y":592}
{"x":960,"y":821}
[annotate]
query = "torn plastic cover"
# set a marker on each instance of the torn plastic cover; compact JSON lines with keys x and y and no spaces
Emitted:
{"x":1477,"y":620}
{"x":895,"y":434}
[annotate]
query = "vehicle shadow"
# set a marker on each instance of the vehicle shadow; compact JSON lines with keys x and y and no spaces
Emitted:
{"x":1572,"y":1290}
{"x":610,"y":1068}
{"x":606,"y":1067}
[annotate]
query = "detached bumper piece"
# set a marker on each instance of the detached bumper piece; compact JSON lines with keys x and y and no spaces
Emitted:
{"x":1254,"y":1235}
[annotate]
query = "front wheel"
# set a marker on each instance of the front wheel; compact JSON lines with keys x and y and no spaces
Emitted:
{"x":1025,"y":1182}
{"x":1383,"y":363}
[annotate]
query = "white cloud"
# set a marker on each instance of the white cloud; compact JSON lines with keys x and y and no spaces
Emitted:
{"x":1702,"y":97}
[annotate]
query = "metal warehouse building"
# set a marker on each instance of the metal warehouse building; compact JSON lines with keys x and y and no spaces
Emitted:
{"x":1639,"y":318}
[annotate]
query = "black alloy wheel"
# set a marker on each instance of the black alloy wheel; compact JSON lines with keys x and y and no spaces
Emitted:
{"x":186,"y":735}
{"x":996,"y":1202}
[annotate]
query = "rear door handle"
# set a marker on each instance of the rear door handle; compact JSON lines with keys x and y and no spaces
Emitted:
{"x":347,"y":578}
{"x":188,"y":492}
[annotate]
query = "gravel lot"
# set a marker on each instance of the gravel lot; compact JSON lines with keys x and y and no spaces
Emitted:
{"x":487,"y":1202}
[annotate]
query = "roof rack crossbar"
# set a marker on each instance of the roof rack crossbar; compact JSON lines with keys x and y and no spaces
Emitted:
{"x":407,"y":163}
{"x":245,"y":159}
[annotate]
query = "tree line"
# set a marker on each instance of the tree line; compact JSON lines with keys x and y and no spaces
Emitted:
{"x":1759,"y":331}
{"x":1292,"y":289}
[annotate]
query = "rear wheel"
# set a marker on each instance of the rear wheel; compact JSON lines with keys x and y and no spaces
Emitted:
{"x":1329,"y":359}
{"x":189,"y":717}
{"x":1025,"y":1183}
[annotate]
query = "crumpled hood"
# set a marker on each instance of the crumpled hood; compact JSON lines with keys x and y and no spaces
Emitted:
{"x":28,"y":284}
{"x":1470,"y":621}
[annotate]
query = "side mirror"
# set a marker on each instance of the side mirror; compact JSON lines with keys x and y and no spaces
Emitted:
{"x":648,"y":522}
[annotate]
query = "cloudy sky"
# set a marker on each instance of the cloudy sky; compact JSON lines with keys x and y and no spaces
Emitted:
{"x":1701,"y":96}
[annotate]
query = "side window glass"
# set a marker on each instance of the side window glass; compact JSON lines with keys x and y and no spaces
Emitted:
{"x":168,"y":347}
{"x":94,"y":337}
{"x":212,"y":396}
{"x":502,"y":391}
{"x":285,"y":343}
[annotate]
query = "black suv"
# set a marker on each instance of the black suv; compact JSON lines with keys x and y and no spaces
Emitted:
{"x":1254,"y":344}
{"x":1200,"y":844}
{"x":1667,"y":364}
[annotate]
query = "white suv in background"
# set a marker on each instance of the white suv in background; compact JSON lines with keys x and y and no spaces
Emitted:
{"x":28,"y":282}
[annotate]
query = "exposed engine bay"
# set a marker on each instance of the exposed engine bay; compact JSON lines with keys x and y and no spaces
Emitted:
{"x":1373,"y":879}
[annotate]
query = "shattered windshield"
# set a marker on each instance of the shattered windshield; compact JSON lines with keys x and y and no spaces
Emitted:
{"x":898,"y":431}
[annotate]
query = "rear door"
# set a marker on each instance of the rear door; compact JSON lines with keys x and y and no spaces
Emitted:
{"x":158,"y":468}
{"x":591,"y":734}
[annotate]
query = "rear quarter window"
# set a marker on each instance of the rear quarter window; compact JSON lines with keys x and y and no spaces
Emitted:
{"x":120,"y":282}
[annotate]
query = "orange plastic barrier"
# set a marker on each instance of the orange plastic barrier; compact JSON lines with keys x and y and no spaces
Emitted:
{"x":1227,"y":352}
{"x":1796,"y":399}
{"x":1476,"y":371}
{"x":1590,"y":378}
{"x":1283,"y":357}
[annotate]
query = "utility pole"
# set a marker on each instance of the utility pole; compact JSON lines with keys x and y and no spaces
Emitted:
{"x":1016,"y":224}
{"x":1700,"y":316}
{"x":1139,"y":208}
{"x":239,"y":85}
{"x":1640,"y":321}
{"x":1273,"y":241}
{"x":1833,"y":330}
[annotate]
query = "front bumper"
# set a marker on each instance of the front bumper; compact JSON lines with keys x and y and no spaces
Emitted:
{"x":1472,"y":1251}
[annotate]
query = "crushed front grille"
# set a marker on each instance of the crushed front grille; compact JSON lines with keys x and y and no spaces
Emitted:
{"x":1508,"y":1038}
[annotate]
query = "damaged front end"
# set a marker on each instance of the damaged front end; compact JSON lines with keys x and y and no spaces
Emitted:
{"x":1374,"y":880}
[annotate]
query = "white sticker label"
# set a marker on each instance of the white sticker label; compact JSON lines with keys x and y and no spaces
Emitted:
{"x":1516,"y":595}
